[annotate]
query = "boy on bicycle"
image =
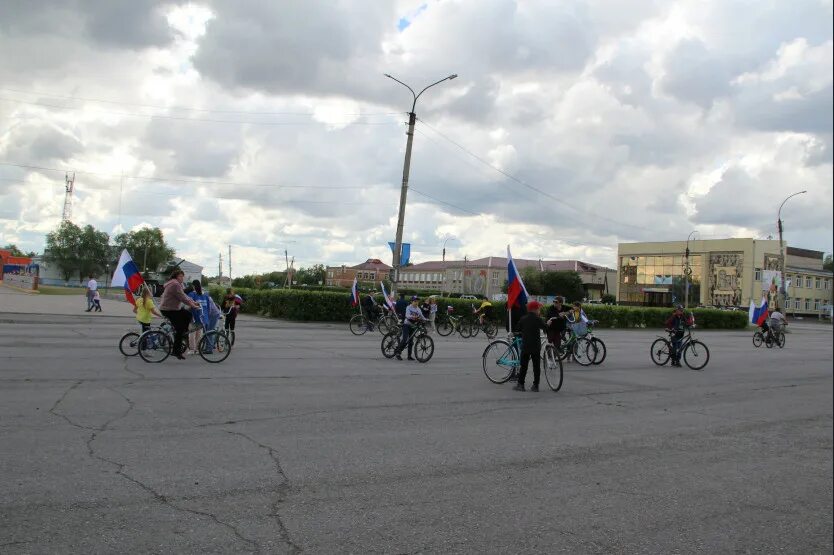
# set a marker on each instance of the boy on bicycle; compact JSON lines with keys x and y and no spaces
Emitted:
{"x":413,"y":315}
{"x":676,"y":326}
{"x":484,"y":311}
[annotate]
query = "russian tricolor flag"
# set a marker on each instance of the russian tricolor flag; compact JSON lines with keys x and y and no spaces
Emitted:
{"x":127,"y":275}
{"x":385,"y":297}
{"x":354,"y":294}
{"x":516,"y":292}
{"x":758,"y":315}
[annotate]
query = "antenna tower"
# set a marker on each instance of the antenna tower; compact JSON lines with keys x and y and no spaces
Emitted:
{"x":70,"y":185}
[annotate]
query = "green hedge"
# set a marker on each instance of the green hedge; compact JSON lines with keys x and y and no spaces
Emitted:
{"x":328,"y":306}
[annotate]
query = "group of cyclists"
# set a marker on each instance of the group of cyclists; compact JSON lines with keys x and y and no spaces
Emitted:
{"x":184,"y":308}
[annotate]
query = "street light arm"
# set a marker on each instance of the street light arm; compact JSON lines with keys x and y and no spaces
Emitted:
{"x":779,"y":216}
{"x":447,"y":78}
{"x":389,"y":76}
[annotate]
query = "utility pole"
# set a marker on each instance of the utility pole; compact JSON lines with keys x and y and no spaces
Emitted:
{"x":412,"y":118}
{"x":219,"y":265}
{"x":687,"y":271}
{"x":70,"y":187}
{"x":230,"y":263}
{"x":782,"y":292}
{"x":287,"y":274}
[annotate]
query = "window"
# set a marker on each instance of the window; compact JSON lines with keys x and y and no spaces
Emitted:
{"x":826,"y":284}
{"x":797,"y":303}
{"x":818,"y":284}
{"x":758,"y":276}
{"x":817,"y":304}
{"x":808,"y":283}
{"x":807,"y":304}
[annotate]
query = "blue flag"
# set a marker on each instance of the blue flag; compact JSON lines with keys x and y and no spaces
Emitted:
{"x":405,"y":254}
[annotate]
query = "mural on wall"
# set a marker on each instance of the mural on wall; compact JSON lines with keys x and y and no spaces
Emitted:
{"x":474,"y":282}
{"x":726,"y":272}
{"x":771,"y":262}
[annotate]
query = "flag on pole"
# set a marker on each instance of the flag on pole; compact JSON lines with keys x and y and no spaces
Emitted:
{"x":354,"y":294}
{"x":127,"y":275}
{"x":758,"y":315}
{"x":516,"y":292}
{"x":385,"y":298}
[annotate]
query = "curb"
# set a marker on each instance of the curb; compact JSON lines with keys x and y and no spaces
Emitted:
{"x":29,"y":291}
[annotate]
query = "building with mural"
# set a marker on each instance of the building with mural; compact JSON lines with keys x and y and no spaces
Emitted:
{"x":722,"y":272}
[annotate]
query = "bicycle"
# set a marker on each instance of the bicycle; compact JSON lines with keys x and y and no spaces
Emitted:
{"x":359,"y":324}
{"x":502,"y":359}
{"x":489,"y":327}
{"x":578,"y":346}
{"x":773,"y":336}
{"x":156,"y":345}
{"x":694,"y":352}
{"x":451,"y":323}
{"x":423,"y":344}
{"x":129,"y":343}
{"x":599,"y":346}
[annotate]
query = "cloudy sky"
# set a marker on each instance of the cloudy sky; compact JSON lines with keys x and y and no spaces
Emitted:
{"x":269,"y":125}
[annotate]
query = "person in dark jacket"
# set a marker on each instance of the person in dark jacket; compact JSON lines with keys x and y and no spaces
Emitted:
{"x":400,"y":306}
{"x":369,"y":306}
{"x":556,"y":322}
{"x":530,"y":325}
{"x":516,"y":312}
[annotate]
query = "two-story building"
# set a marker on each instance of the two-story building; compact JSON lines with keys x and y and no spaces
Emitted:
{"x":372,"y":271}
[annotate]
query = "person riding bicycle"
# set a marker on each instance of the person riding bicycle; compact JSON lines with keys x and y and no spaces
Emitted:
{"x":369,"y":306}
{"x":413,"y":315}
{"x":774,"y":320}
{"x":205,"y":316}
{"x":145,"y":309}
{"x":173,"y":297}
{"x":676,"y":325}
{"x":484,"y":311}
{"x":530,"y":325}
{"x":231,"y":306}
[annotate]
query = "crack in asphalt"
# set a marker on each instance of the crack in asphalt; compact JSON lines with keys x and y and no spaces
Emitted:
{"x":282,"y":489}
{"x":91,"y":452}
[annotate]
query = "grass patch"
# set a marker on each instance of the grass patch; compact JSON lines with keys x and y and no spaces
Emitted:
{"x":52,"y":290}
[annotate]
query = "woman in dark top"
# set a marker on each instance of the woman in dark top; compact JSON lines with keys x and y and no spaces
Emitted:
{"x":529,"y":326}
{"x":556,"y":322}
{"x":173,"y":297}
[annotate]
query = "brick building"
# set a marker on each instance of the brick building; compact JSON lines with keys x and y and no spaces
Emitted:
{"x":372,"y":271}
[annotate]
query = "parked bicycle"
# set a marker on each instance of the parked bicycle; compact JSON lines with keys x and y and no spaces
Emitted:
{"x":423,"y":344}
{"x":502,"y":359}
{"x":600,"y":350}
{"x":693,"y":352}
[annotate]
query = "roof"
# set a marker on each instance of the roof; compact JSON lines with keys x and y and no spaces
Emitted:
{"x":521,"y":263}
{"x":805,"y":253}
{"x":372,"y":264}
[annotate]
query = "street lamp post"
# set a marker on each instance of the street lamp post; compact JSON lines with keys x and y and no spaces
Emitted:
{"x":444,"y":246}
{"x":687,"y":271}
{"x":412,"y":118}
{"x":782,"y":291}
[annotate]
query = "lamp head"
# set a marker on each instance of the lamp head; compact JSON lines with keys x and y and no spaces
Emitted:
{"x":452,"y":76}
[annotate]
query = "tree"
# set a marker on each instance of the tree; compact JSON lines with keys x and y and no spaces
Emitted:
{"x":828,"y":263}
{"x":567,"y":284}
{"x":11,"y":247}
{"x":314,"y":275}
{"x":62,"y":248}
{"x":93,"y":252}
{"x":147,"y":247}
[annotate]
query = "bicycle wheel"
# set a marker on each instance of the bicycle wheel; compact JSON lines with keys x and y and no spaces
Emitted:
{"x":780,"y":340}
{"x":444,"y":327}
{"x":758,"y":339}
{"x":769,"y":341}
{"x":660,"y":351}
{"x":384,"y":325}
{"x":696,"y":355}
{"x":553,"y":370}
{"x":129,"y":344}
{"x":499,"y":360}
{"x":563,"y":350}
{"x":584,"y":352}
{"x":389,"y":344}
{"x":358,"y":325}
{"x":423,"y":348}
{"x":155,"y":346}
{"x":475,"y":328}
{"x":214,"y":347}
{"x":465,"y":329}
{"x":601,"y":350}
{"x":490,"y":329}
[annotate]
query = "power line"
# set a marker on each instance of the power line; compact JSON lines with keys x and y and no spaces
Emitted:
{"x":199,"y":120}
{"x":188,"y":108}
{"x":532,"y":187}
{"x":184,"y":180}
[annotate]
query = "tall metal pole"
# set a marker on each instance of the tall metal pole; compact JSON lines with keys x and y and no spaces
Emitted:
{"x":687,"y":271}
{"x":782,"y":292}
{"x":444,"y":246}
{"x":412,"y":118}
{"x":230,"y":263}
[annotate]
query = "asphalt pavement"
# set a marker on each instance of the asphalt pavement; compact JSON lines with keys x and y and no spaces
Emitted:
{"x":307,"y":439}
